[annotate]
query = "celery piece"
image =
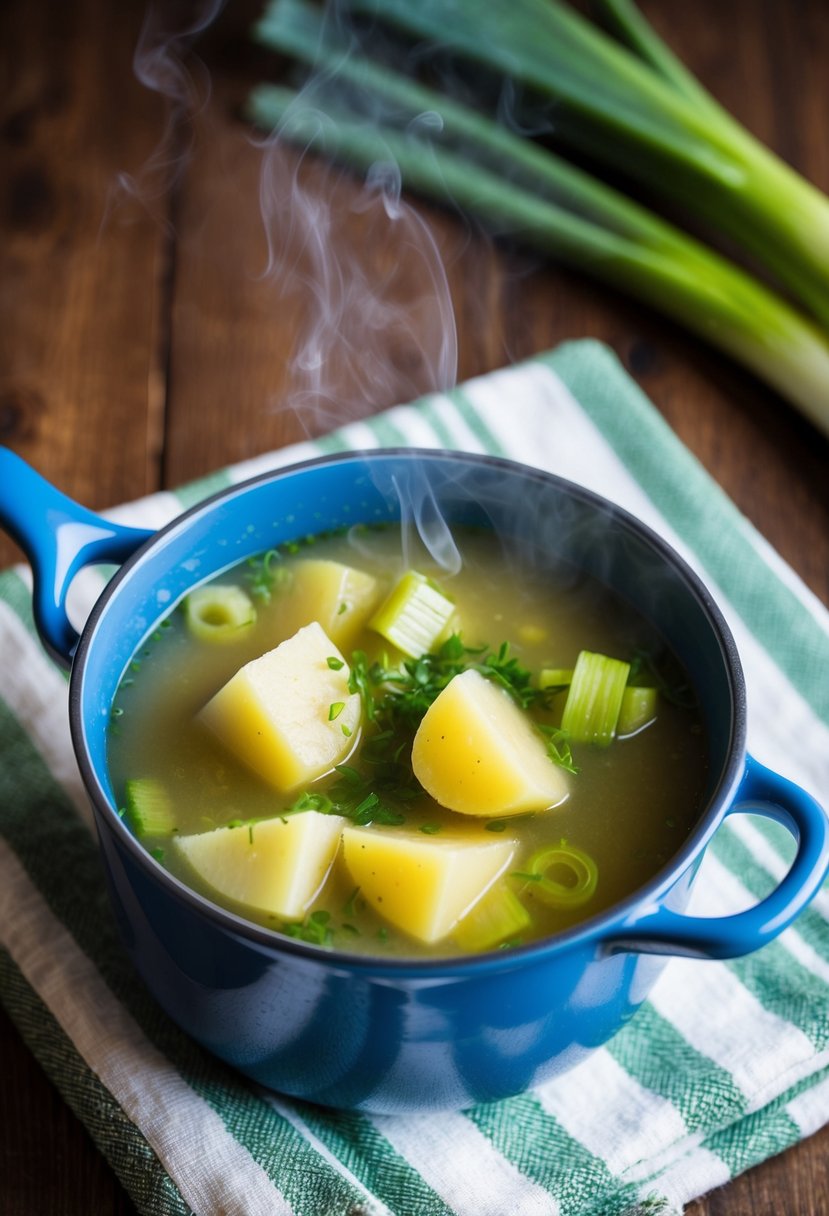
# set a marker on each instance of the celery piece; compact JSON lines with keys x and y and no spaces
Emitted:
{"x":591,"y":710}
{"x":638,"y":709}
{"x":414,"y":615}
{"x":149,"y":807}
{"x":555,"y":677}
{"x":562,"y":875}
{"x":497,"y":917}
{"x":218,"y":613}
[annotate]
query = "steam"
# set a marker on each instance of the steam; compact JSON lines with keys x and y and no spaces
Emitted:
{"x":164,"y":64}
{"x":366,"y":275}
{"x":355,"y":274}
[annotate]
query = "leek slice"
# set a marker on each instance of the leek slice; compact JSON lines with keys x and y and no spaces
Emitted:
{"x":591,"y":711}
{"x":555,"y":677}
{"x":638,"y":710}
{"x":218,"y":613}
{"x":498,"y":917}
{"x":149,"y":808}
{"x":562,"y":876}
{"x":414,"y":615}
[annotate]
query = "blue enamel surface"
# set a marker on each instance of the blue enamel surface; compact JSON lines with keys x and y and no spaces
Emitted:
{"x":59,"y":538}
{"x":394,"y":1036}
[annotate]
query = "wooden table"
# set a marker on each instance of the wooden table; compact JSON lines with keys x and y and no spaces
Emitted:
{"x":141,"y":347}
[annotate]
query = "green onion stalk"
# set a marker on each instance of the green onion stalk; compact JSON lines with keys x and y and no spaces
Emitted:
{"x":639,"y":98}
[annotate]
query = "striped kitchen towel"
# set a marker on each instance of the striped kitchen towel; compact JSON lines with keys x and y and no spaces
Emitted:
{"x":726,"y":1064}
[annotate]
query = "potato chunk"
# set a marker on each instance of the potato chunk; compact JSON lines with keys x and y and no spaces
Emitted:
{"x":289,"y":714}
{"x":476,"y":753}
{"x":424,"y":885}
{"x":339,"y":597}
{"x":275,"y":865}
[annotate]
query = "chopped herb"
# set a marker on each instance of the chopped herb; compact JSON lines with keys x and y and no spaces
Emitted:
{"x":348,"y":773}
{"x":264,"y":574}
{"x":663,"y":672}
{"x":496,"y":825}
{"x":158,"y":854}
{"x":346,"y":730}
{"x":311,"y":802}
{"x":342,"y":608}
{"x":351,"y":902}
{"x":316,"y":929}
{"x":335,"y":709}
{"x":250,"y":833}
{"x":558,"y":747}
{"x":235,"y":823}
{"x":431,"y":829}
{"x":334,"y":663}
{"x":368,"y":804}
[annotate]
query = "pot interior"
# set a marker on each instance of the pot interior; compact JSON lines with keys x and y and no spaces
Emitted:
{"x":544,"y":521}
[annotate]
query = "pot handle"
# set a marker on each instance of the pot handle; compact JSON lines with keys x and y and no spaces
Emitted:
{"x":59,"y":538}
{"x":762,"y":792}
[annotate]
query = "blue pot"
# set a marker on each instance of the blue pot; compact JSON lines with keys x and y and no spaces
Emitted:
{"x":368,"y":1033}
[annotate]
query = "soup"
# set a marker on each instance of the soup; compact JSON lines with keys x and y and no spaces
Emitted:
{"x":362,"y":751}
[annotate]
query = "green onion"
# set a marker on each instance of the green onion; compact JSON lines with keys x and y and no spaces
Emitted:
{"x":562,"y":875}
{"x":631,"y":109}
{"x":591,"y":711}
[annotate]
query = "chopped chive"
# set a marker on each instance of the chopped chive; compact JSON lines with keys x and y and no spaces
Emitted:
{"x":496,"y":825}
{"x":334,"y":663}
{"x":342,"y":608}
{"x":335,"y":709}
{"x":346,"y":730}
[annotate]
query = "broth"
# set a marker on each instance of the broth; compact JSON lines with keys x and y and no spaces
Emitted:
{"x":630,"y":807}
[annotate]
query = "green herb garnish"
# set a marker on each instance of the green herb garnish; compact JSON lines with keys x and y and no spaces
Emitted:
{"x":315,"y":929}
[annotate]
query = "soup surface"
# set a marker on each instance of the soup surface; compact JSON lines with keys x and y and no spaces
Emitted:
{"x":626,"y":807}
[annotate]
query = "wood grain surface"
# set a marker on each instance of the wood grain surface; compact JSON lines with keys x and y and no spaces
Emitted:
{"x":142,"y":345}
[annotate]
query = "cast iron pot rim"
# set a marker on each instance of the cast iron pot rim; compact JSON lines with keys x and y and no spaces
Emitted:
{"x":592,"y":929}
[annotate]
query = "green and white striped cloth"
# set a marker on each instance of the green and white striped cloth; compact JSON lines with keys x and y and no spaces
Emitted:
{"x":725,"y":1065}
